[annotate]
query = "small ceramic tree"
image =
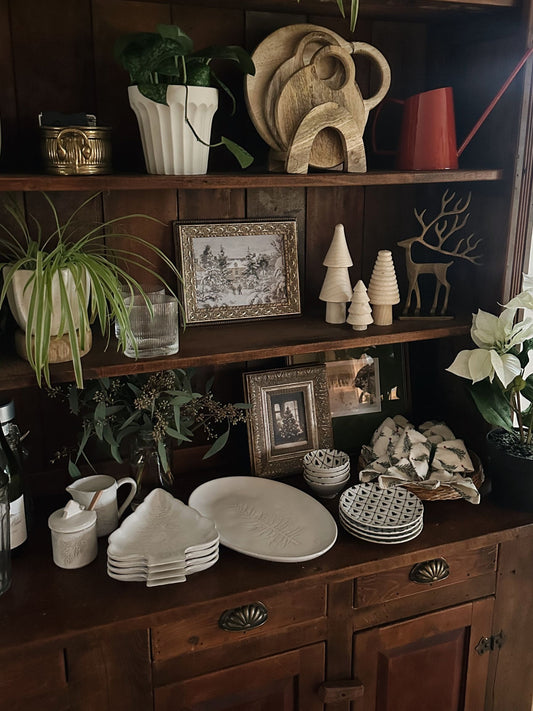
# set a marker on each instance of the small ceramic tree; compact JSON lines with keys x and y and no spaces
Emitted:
{"x":337,"y":289}
{"x":359,"y":313}
{"x":383,"y":288}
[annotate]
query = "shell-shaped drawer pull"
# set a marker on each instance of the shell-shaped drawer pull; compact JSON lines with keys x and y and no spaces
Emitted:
{"x":246,"y":617}
{"x":430,"y":571}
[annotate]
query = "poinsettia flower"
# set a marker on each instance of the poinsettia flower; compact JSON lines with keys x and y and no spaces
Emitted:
{"x":498,"y":332}
{"x":481,"y":363}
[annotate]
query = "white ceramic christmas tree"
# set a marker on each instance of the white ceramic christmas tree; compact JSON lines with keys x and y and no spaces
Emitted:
{"x":359,"y":313}
{"x":337,"y":289}
{"x":383,"y":288}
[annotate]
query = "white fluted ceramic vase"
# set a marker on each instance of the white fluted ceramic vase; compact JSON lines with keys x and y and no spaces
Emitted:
{"x":169,"y":145}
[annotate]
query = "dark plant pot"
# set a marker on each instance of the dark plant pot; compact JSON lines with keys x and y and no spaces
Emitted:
{"x":511,"y":474}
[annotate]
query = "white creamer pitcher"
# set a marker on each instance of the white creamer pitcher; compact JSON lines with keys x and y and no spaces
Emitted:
{"x":107,"y":511}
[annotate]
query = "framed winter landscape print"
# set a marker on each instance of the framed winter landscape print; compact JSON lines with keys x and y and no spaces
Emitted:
{"x":242,"y":269}
{"x":289,"y":416}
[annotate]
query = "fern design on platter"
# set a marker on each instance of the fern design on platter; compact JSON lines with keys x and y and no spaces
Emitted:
{"x":276,"y":530}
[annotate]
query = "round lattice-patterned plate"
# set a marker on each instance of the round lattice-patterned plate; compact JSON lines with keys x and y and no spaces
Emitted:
{"x":381,"y":509}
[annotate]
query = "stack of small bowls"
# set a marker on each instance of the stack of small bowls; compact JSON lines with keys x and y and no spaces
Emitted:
{"x":326,"y":471}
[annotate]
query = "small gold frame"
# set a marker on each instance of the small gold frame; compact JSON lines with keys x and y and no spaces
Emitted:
{"x":289,"y":417}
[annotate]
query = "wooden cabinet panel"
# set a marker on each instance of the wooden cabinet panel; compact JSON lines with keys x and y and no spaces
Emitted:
{"x":36,"y":681}
{"x":394,"y":584}
{"x":110,"y":672}
{"x":428,"y":663}
{"x":201,"y":631}
{"x":285,"y":682}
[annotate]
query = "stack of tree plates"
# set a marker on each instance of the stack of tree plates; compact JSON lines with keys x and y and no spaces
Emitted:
{"x":162,"y":542}
{"x":381,"y":515}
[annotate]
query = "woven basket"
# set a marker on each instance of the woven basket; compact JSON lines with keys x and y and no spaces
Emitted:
{"x":444,"y":492}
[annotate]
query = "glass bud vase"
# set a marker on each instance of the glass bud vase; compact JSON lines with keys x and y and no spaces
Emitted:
{"x":147,"y":468}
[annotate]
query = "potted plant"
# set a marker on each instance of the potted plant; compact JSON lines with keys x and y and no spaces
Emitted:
{"x":60,"y":282}
{"x":174,"y":94}
{"x":502,"y":389}
{"x":141,"y":415}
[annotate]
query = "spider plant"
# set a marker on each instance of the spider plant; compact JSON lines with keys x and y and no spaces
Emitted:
{"x":354,"y":11}
{"x":71,"y":269}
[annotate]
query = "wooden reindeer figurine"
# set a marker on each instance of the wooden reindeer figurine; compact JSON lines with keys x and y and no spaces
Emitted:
{"x":435,"y":235}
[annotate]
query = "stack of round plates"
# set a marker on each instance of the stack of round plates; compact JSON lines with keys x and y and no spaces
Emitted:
{"x":162,"y":542}
{"x":381,"y":515}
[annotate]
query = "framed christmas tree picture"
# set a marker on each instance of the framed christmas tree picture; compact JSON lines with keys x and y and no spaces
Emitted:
{"x":289,"y":416}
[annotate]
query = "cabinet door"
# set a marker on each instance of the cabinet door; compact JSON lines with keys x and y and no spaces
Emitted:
{"x":427,"y":663}
{"x":284,"y":682}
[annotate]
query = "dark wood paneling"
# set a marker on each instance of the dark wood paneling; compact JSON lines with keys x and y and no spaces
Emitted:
{"x":221,"y":205}
{"x":325,"y":209}
{"x":428,"y":662}
{"x":393,"y":584}
{"x":110,"y":673}
{"x":161,"y":205}
{"x":112,"y":19}
{"x":514,"y":602}
{"x":281,"y":683}
{"x":9,"y":125}
{"x":51,"y":42}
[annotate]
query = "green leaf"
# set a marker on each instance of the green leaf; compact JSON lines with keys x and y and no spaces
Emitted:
{"x":155,"y":92}
{"x":354,"y":12}
{"x":73,"y":469}
{"x":242,"y":155}
{"x":198,"y":73}
{"x":176,"y":435}
{"x":218,"y":444}
{"x":527,"y":391}
{"x":233,"y":53}
{"x":523,"y":356}
{"x":175,"y":33}
{"x":492,"y":404}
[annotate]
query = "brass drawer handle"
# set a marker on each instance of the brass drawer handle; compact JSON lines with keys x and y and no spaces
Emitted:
{"x":246,"y":617}
{"x":430,"y":571}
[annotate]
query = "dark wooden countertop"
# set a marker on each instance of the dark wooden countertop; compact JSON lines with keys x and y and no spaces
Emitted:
{"x":46,"y":602}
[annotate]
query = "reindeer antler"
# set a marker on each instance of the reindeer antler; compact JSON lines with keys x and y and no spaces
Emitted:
{"x":443,"y":232}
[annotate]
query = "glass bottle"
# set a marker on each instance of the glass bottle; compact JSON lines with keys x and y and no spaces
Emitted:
{"x":5,"y":546}
{"x":146,"y":467}
{"x":11,"y":464}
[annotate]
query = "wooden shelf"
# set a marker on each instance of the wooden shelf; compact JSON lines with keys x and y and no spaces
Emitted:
{"x":237,"y":343}
{"x":374,"y":8}
{"x":214,"y":181}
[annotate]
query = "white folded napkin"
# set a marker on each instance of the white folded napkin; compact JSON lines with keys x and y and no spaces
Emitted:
{"x":429,"y":457}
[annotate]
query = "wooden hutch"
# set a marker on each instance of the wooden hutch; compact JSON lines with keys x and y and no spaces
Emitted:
{"x":349,"y":630}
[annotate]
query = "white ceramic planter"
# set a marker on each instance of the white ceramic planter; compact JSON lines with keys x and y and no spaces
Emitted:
{"x":169,"y":145}
{"x":19,"y":296}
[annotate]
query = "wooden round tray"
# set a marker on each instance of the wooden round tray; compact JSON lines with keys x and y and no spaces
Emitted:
{"x":444,"y":492}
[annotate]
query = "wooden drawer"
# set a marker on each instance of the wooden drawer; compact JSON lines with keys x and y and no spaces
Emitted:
{"x":201,"y":631}
{"x":397,"y":583}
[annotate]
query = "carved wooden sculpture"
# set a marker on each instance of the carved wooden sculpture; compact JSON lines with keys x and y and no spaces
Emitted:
{"x":337,"y":290}
{"x":383,"y":288}
{"x":441,"y":229}
{"x":359,"y":313}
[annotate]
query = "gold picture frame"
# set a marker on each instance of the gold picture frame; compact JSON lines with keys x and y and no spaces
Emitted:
{"x":289,"y":416}
{"x":238,"y":269}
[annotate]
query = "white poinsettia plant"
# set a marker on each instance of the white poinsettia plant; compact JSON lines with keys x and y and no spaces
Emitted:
{"x":501,"y":387}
